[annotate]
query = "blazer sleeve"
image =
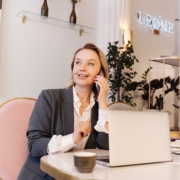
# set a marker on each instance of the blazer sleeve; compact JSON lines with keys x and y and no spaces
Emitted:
{"x":38,"y":132}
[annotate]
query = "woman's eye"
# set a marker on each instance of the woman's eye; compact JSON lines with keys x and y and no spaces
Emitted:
{"x":77,"y":62}
{"x":91,"y":64}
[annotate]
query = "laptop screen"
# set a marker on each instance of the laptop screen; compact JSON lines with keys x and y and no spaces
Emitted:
{"x":137,"y":137}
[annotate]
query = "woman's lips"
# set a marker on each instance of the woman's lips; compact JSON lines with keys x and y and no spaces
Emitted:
{"x":82,"y":75}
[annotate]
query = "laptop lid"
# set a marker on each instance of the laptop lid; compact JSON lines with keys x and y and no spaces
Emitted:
{"x":137,"y":137}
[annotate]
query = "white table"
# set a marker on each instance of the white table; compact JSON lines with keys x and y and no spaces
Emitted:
{"x":61,"y":166}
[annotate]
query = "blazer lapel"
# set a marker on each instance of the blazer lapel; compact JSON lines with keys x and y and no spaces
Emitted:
{"x":91,"y":143}
{"x":67,"y":111}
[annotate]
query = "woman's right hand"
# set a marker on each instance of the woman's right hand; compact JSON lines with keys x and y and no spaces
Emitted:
{"x":82,"y":129}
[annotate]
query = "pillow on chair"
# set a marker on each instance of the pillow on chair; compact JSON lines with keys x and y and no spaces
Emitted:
{"x":14,"y":120}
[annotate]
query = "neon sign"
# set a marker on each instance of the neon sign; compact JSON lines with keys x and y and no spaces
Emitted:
{"x":155,"y":23}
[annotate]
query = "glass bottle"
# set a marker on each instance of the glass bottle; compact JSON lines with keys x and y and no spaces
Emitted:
{"x":72,"y":18}
{"x":44,"y":9}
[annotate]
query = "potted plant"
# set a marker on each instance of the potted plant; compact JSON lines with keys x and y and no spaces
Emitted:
{"x":166,"y":86}
{"x":121,"y":61}
{"x":121,"y":84}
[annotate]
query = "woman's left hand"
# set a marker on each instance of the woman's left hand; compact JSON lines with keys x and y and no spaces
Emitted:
{"x":104,"y":88}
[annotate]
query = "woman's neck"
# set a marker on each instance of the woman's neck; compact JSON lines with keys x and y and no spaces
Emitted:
{"x":83,"y":94}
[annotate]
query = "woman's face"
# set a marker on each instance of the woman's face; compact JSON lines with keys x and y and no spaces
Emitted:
{"x":86,"y":67}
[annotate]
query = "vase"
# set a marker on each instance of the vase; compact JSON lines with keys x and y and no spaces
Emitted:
{"x":44,"y":9}
{"x":72,"y":18}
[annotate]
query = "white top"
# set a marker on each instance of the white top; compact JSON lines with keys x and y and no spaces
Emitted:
{"x":59,"y":143}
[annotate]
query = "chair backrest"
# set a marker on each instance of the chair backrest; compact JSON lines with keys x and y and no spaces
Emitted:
{"x":120,"y":106}
{"x":14,"y":120}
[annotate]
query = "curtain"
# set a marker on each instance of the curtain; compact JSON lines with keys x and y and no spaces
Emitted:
{"x":113,"y":18}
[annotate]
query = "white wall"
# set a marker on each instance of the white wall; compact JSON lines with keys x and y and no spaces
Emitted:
{"x":177,"y":51}
{"x":177,"y":28}
{"x":0,"y":16}
{"x":148,"y":45}
{"x":34,"y":55}
{"x":0,"y":32}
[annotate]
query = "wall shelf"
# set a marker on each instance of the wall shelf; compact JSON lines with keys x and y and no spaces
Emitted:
{"x":25,"y":15}
{"x":170,"y":60}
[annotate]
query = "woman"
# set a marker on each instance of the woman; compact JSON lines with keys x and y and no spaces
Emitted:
{"x":71,"y":118}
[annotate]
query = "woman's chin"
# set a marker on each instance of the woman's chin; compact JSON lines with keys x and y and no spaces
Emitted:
{"x":83,"y":85}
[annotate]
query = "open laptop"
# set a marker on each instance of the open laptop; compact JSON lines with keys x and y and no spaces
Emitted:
{"x":137,"y":137}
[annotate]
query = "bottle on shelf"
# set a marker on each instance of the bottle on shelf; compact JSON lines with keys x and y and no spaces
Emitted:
{"x":72,"y":18}
{"x":44,"y":9}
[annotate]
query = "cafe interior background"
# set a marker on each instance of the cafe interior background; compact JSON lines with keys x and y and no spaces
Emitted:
{"x":36,"y":55}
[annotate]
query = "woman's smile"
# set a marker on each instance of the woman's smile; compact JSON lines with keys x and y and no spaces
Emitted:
{"x":82,"y":75}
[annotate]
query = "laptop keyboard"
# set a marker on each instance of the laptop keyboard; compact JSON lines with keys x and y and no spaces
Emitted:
{"x":104,"y":160}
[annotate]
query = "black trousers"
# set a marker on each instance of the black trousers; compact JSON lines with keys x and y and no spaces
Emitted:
{"x":27,"y":174}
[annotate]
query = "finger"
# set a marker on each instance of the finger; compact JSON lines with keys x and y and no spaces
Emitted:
{"x":84,"y":128}
{"x":84,"y":125}
{"x":88,"y":121}
{"x":102,"y":85}
{"x":81,"y":123}
{"x":101,"y":80}
{"x":86,"y":132}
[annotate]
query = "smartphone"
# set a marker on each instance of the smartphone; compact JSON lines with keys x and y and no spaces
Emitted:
{"x":97,"y":86}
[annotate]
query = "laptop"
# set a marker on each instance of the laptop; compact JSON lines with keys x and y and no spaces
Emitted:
{"x":137,"y":137}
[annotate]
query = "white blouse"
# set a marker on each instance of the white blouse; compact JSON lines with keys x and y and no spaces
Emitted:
{"x":59,"y":143}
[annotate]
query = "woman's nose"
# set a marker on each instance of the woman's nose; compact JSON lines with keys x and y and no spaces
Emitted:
{"x":82,"y":67}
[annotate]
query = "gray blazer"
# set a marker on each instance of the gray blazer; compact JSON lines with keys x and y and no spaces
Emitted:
{"x":54,"y":114}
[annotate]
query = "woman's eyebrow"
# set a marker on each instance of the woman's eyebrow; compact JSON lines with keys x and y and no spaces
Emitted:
{"x":91,"y":60}
{"x":77,"y":59}
{"x":88,"y":60}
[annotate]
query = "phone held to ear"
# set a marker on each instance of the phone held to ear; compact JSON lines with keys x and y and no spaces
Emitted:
{"x":97,"y":86}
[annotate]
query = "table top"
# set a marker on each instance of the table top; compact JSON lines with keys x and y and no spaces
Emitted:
{"x":61,"y":166}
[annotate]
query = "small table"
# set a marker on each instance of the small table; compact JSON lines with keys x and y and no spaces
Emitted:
{"x":175,"y":135}
{"x":61,"y":167}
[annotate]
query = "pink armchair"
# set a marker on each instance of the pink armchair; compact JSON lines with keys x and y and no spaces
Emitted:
{"x":14,"y":119}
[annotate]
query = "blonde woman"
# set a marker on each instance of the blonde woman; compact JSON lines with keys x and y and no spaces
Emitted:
{"x":73,"y":118}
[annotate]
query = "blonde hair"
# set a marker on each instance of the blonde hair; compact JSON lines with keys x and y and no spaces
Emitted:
{"x":103,"y":62}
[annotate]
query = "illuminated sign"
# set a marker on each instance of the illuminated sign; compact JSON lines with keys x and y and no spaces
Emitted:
{"x":155,"y":23}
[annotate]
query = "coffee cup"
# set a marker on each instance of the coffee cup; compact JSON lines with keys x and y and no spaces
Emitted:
{"x":84,"y":161}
